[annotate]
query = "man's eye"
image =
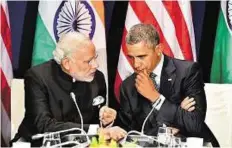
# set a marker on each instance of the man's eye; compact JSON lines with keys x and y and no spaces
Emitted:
{"x":130,"y":57}
{"x":87,"y":62}
{"x":141,"y":57}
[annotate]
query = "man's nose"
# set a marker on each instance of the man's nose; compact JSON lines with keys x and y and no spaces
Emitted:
{"x":137,"y":63}
{"x":95,"y":64}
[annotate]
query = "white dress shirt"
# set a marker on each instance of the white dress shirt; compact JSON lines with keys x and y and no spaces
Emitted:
{"x":158,"y":103}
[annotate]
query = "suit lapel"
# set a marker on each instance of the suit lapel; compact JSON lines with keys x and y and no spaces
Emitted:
{"x":168,"y":77}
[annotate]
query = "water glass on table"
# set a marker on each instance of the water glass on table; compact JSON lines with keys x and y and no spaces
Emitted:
{"x":164,"y":136}
{"x":175,"y":142}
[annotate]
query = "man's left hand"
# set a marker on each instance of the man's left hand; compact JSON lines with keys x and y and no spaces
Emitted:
{"x":107,"y":115}
{"x":145,"y":86}
{"x":115,"y":133}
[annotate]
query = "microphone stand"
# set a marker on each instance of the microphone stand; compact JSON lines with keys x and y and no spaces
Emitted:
{"x":73,"y":96}
{"x":142,"y":130}
{"x":144,"y":122}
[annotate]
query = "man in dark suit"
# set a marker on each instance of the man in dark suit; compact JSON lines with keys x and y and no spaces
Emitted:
{"x":161,"y":83}
{"x":49,"y":103}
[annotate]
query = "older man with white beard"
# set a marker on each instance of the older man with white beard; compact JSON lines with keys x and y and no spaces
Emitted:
{"x":56,"y":89}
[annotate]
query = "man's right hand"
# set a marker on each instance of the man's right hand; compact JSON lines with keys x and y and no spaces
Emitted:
{"x":188,"y":104}
{"x":107,"y":115}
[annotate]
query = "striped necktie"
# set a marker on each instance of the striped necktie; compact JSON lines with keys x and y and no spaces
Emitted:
{"x":152,"y":76}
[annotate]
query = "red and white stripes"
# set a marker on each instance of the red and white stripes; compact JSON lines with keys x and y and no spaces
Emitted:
{"x":173,"y":21}
{"x":6,"y":75}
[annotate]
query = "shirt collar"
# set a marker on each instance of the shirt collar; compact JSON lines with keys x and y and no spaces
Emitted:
{"x":159,"y":67}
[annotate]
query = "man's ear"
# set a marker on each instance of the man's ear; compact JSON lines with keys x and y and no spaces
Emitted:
{"x":159,"y":48}
{"x":65,"y":64}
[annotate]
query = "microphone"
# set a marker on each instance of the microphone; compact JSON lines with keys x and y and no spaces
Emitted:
{"x":73,"y":96}
{"x":144,"y":122}
{"x":98,"y":100}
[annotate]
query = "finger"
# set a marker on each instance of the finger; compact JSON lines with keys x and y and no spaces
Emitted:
{"x":102,"y":109}
{"x":139,"y":88}
{"x":146,"y":72}
{"x":109,"y":116}
{"x":138,"y":85}
{"x":184,"y":102}
{"x":175,"y":131}
{"x":191,"y":108}
{"x":143,"y":75}
{"x":187,"y":101}
{"x":120,"y":134}
{"x":191,"y":99}
{"x":107,"y":136}
{"x":139,"y":78}
{"x":190,"y":104}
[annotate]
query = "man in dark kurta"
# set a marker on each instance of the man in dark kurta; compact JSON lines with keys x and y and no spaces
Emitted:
{"x":49,"y":106}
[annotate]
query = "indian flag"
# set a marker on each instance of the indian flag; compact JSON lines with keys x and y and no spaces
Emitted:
{"x":59,"y":17}
{"x":221,"y":71}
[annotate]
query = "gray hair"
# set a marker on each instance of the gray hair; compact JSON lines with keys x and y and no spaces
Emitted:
{"x":143,"y":33}
{"x":69,"y":43}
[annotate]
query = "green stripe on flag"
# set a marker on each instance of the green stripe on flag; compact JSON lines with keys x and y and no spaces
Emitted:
{"x":43,"y":44}
{"x":221,"y":70}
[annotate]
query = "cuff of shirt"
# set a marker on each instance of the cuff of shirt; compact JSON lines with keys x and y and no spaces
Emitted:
{"x":93,"y":128}
{"x":159,"y":102}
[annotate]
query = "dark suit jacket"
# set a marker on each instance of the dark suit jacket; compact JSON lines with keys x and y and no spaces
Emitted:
{"x":48,"y":104}
{"x":186,"y":80}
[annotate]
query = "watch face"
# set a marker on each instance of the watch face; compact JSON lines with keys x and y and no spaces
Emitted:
{"x":229,"y":14}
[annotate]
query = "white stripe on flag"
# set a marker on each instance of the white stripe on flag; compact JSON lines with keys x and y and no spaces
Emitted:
{"x":131,"y":18}
{"x":186,"y":11}
{"x":124,"y":67}
{"x":224,"y":8}
{"x":5,"y":8}
{"x":5,"y":64}
{"x":166,"y":25}
{"x":47,"y":11}
{"x":5,"y":125}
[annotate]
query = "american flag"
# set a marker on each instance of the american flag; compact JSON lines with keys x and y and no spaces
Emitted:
{"x":173,"y":21}
{"x":6,"y":75}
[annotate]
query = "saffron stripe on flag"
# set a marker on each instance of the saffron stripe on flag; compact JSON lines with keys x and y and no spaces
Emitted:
{"x":99,"y":7}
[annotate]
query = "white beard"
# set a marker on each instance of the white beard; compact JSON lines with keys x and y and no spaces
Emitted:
{"x":81,"y":78}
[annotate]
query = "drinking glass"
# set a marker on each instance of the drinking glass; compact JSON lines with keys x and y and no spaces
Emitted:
{"x":164,"y":136}
{"x":175,"y":142}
